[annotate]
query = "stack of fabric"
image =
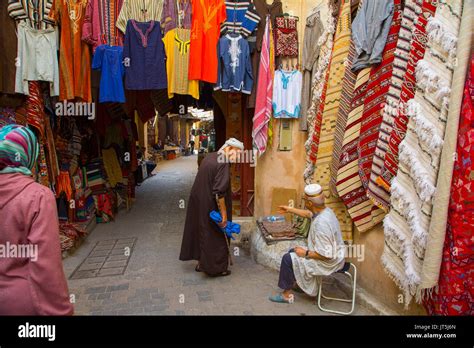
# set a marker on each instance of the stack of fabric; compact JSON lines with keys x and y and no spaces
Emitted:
{"x":95,"y":176}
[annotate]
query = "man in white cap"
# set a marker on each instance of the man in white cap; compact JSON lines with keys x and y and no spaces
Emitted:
{"x":203,"y":241}
{"x":301,"y":268}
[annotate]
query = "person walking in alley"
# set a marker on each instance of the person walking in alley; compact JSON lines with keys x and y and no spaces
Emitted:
{"x":301,"y":268}
{"x":32,"y":280}
{"x":203,"y":241}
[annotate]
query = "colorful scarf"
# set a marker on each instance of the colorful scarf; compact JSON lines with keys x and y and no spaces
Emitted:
{"x":319,"y":83}
{"x":263,"y":104}
{"x":18,"y":150}
{"x":370,"y":161}
{"x":417,"y":51}
{"x":328,"y":123}
{"x":406,"y":226}
{"x":454,"y":295}
{"x":438,"y":226}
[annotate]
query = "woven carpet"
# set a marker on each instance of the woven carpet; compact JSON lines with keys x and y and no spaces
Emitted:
{"x":406,"y":226}
{"x":331,"y":106}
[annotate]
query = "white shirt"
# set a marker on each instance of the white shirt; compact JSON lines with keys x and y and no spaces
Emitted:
{"x":287,"y":94}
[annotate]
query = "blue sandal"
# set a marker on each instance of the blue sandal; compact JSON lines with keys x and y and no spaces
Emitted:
{"x":279,"y":299}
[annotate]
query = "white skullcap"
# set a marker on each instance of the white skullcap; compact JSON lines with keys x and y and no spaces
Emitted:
{"x":234,"y":143}
{"x":313,"y":190}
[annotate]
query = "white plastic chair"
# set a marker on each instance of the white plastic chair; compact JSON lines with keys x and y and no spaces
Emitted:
{"x":353,"y":277}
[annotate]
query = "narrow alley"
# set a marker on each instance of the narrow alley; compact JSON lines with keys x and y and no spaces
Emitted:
{"x":155,"y":282}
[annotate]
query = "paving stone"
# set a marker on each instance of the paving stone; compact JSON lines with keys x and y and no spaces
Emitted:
{"x":96,"y":290}
{"x":95,"y":259}
{"x":117,"y":257}
{"x":90,"y":266}
{"x":102,"y":247}
{"x":84,"y":274}
{"x":110,"y":264}
{"x":111,"y":271}
{"x":118,"y":287}
{"x":99,"y":253}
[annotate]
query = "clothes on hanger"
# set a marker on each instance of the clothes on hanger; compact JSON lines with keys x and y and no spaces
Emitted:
{"x":287,"y":94}
{"x":235,"y":67}
{"x":242,"y":18}
{"x":144,"y":56}
{"x":140,"y":11}
{"x":176,"y":14}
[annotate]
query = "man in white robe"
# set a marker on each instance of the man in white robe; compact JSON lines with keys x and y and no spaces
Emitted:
{"x":325,"y":253}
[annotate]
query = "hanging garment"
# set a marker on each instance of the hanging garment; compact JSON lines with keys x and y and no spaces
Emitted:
{"x":319,"y":84}
{"x":328,"y":123}
{"x":208,"y":15}
{"x":407,"y":92}
{"x":74,"y":54}
{"x":99,"y":23}
{"x":286,"y":37}
{"x":263,"y":106}
{"x":369,"y":32}
{"x":370,"y":161}
{"x":112,"y":166}
{"x":177,"y":42}
{"x":437,"y":233}
{"x":37,"y":58}
{"x":144,"y":56}
{"x":176,"y":14}
{"x":235,"y":67}
{"x":362,"y":129}
{"x":8,"y":51}
{"x":35,"y":14}
{"x":242,"y":18}
{"x":453,"y":294}
{"x":140,"y":11}
{"x":287,"y":94}
{"x":35,"y":108}
{"x":255,"y":40}
{"x":411,"y":11}
{"x":313,"y":30}
{"x":345,"y":107}
{"x":406,"y":226}
{"x":108,"y":59}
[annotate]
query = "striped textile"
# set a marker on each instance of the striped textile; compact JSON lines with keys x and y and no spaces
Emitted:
{"x":370,"y":161}
{"x":141,"y":11}
{"x":437,"y":232}
{"x":19,"y":150}
{"x":417,"y":51}
{"x":35,"y":107}
{"x":319,"y":84}
{"x":263,"y":105}
{"x":242,"y":17}
{"x":347,"y":94}
{"x":328,"y":124}
{"x":36,"y":17}
{"x":349,"y":186}
{"x":406,"y":226}
{"x":411,"y":11}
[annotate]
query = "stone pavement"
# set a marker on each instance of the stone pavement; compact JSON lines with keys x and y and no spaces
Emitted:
{"x":155,"y":282}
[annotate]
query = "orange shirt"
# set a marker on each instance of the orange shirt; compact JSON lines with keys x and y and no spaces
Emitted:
{"x":208,"y":15}
{"x":74,"y":54}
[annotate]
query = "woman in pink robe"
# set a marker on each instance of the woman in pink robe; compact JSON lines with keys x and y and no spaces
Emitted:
{"x":31,"y":283}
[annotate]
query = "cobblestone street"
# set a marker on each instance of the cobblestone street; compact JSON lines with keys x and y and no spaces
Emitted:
{"x":154,"y":281}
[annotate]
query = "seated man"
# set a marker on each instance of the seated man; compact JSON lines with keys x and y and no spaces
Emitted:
{"x":325,"y":254}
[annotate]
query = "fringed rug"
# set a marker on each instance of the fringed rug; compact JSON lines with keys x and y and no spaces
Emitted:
{"x":406,"y":226}
{"x":417,"y":51}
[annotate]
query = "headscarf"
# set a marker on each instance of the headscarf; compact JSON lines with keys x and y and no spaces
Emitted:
{"x":19,"y":150}
{"x":232,"y":142}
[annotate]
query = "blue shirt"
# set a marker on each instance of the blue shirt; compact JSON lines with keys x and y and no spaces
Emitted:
{"x":144,"y":56}
{"x":235,"y":66}
{"x":109,"y":60}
